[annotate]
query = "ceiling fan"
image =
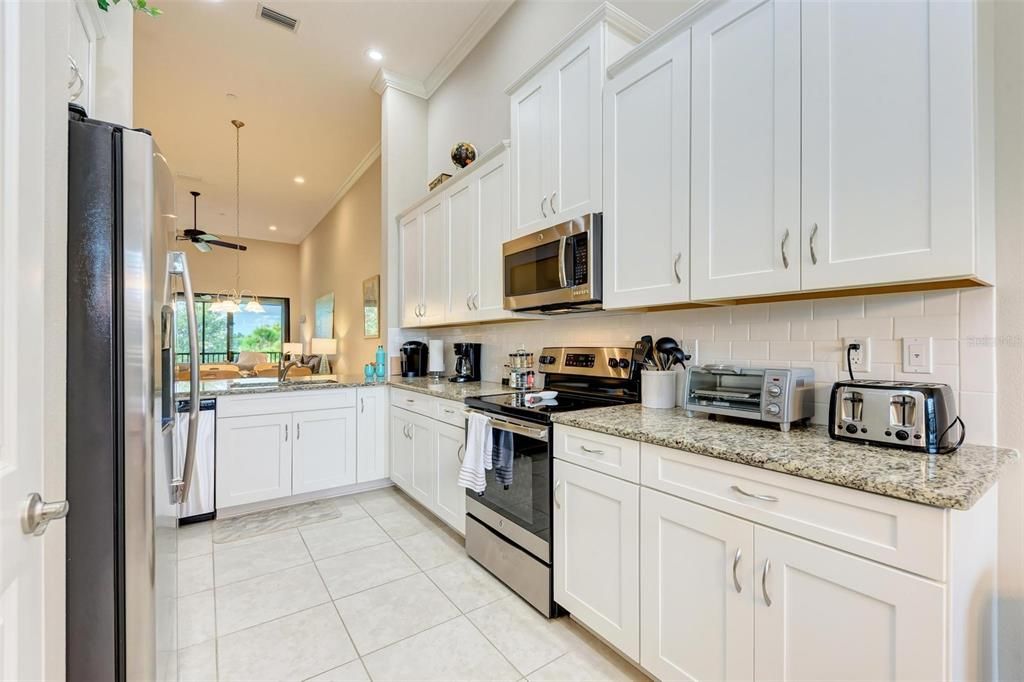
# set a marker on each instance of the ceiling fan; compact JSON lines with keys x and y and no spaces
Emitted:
{"x":204,"y":240}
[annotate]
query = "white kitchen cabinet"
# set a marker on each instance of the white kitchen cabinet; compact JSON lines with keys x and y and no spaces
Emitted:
{"x":401,"y":448}
{"x":888,"y":134}
{"x":647,"y":179}
{"x":410,"y":277}
{"x":423,"y":479}
{"x":816,"y":601}
{"x":746,"y":150}
{"x":372,"y":434}
{"x":557,"y":122}
{"x":597,"y":553}
{"x":449,"y":451}
{"x":461,"y":238}
{"x":435,"y":262}
{"x":696,"y":592}
{"x":323,"y":449}
{"x":254,"y":458}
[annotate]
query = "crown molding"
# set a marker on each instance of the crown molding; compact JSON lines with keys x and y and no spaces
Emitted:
{"x":349,"y":183}
{"x":390,"y":79}
{"x":501,"y":148}
{"x":678,"y":25}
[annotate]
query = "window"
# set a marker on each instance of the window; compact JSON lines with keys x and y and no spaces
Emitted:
{"x":223,"y":335}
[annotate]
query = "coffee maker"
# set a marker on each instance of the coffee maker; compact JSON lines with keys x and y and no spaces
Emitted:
{"x":414,"y":359}
{"x":467,"y":362}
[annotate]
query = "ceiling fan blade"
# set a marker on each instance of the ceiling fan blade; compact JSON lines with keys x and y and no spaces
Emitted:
{"x":207,"y":237}
{"x":202,"y":246}
{"x":182,"y":238}
{"x":227,"y":245}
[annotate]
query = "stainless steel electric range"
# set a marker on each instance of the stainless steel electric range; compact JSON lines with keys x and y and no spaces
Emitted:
{"x":508,"y":526}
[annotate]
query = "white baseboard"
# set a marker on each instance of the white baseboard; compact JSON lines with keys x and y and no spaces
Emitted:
{"x":279,"y":502}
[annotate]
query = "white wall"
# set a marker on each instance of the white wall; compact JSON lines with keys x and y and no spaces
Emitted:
{"x":114,"y":65}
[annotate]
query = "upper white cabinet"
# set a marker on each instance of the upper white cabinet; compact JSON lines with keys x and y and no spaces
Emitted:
{"x":557,"y":122}
{"x":423,"y":267}
{"x":746,"y":150}
{"x":889,"y":131}
{"x":410,"y":275}
{"x":647,"y":179}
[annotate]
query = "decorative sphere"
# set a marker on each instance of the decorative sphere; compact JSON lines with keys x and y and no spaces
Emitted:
{"x":463,"y":154}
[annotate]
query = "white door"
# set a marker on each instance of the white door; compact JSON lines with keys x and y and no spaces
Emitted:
{"x":597,"y":553}
{"x":435,"y":262}
{"x":888,"y":134}
{"x":461,"y":236}
{"x":746,"y":150}
{"x":822,"y":600}
{"x":254,"y":458}
{"x":450,"y":449}
{"x":324,"y":450}
{"x":423,"y":483}
{"x":33,"y":181}
{"x":372,"y":435}
{"x":410,"y":284}
{"x":531,"y":149}
{"x":493,"y":231}
{"x":695,"y":561}
{"x":575,"y":185}
{"x":647,"y":180}
{"x":401,"y":449}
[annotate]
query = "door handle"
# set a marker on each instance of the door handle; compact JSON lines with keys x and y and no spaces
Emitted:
{"x":362,"y":404}
{"x":551,"y":203}
{"x":558,"y":503}
{"x":286,"y":433}
{"x":469,"y":299}
{"x":38,"y":514}
{"x":782,"y":247}
{"x":563,"y":280}
{"x":764,"y":582}
{"x":542,"y":211}
{"x":763,"y":498}
{"x":735,"y":565}
{"x":675,"y":267}
{"x":584,"y":448}
{"x":476,"y":301}
{"x":461,"y":453}
{"x":177,"y":264}
{"x":814,"y":256}
{"x":298,"y":431}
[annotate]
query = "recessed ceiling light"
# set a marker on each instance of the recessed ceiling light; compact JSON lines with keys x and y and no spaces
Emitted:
{"x":375,"y":55}
{"x":273,"y":228}
{"x":299,"y":180}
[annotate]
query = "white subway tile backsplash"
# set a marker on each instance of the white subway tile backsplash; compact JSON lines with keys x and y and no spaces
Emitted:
{"x":894,"y":305}
{"x":887,"y":350}
{"x":945,"y":351}
{"x":839,"y":308}
{"x":750,"y":313}
{"x":750,"y":350}
{"x":699,"y":331}
{"x":943,"y":374}
{"x":791,"y":350}
{"x":720,"y":315}
{"x":942,"y":302}
{"x":977,"y":367}
{"x":978,"y":411}
{"x":713,"y":351}
{"x":770,"y":331}
{"x":977,"y":313}
{"x":827,"y":351}
{"x":791,"y":310}
{"x":732,"y":332}
{"x":937,"y":326}
{"x":815,"y":330}
{"x":874,"y":327}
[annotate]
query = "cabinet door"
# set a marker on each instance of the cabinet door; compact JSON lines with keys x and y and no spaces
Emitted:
{"x":372,"y":434}
{"x":647,"y":180}
{"x":435,"y":262}
{"x":462,"y":237}
{"x":493,"y":231}
{"x":401,"y":449}
{"x":324,"y":450}
{"x":888,"y":131}
{"x":696,"y":591}
{"x":410,"y":239}
{"x":531,"y":149}
{"x":823,"y":599}
{"x":423,"y":482}
{"x":746,"y":150}
{"x":575,"y":161}
{"x":450,"y":448}
{"x":597,"y":553}
{"x":254,"y":459}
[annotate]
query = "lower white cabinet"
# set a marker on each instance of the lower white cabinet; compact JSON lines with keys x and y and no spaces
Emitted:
{"x":323,"y":449}
{"x":423,"y":482}
{"x":401,"y":448}
{"x":597,"y":553}
{"x":372,"y":434}
{"x":254,"y":459}
{"x":450,"y":449}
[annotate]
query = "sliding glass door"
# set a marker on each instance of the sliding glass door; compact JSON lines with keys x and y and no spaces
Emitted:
{"x":222,"y":336}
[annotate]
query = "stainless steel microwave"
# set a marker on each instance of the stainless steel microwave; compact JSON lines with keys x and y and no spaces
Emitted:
{"x":557,"y":269}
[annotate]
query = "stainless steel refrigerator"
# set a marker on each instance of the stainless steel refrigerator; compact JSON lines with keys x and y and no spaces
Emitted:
{"x":122,"y":483}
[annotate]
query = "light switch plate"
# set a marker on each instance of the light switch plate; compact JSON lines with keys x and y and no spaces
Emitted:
{"x":917,"y":355}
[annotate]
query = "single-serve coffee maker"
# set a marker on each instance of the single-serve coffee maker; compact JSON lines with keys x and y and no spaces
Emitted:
{"x":467,"y":362}
{"x":414,"y":359}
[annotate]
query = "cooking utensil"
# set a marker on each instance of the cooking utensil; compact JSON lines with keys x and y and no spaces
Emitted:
{"x":666,"y":346}
{"x":679,"y":357}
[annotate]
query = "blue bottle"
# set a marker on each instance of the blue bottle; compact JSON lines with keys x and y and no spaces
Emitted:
{"x":382,"y":362}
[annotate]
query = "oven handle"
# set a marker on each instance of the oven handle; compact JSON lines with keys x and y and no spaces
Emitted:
{"x":514,"y":426}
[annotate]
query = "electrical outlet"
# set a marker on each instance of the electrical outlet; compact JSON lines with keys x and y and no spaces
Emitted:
{"x":860,"y":360}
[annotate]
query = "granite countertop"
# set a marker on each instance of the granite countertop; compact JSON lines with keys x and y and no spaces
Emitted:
{"x":450,"y":390}
{"x":954,"y":481}
{"x":223,"y":387}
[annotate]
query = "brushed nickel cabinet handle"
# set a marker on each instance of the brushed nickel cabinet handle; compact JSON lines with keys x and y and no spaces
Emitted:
{"x":286,"y":432}
{"x":764,"y":582}
{"x":551,"y":203}
{"x":298,"y":431}
{"x":763,"y":498}
{"x":460,"y":454}
{"x":735,"y":565}
{"x":542,"y":211}
{"x":785,"y":258}
{"x":675,"y":267}
{"x":362,"y":404}
{"x":814,"y":256}
{"x":469,"y":299}
{"x":584,"y":448}
{"x":476,"y":301}
{"x":558,"y":503}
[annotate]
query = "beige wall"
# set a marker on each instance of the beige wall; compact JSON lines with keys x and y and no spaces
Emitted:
{"x":340,"y":252}
{"x":267,"y":268}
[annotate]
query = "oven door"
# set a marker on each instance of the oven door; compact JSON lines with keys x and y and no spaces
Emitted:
{"x":517,"y":500}
{"x":555,"y":267}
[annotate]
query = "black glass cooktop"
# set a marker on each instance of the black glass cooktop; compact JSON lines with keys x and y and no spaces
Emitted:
{"x":515,"y":404}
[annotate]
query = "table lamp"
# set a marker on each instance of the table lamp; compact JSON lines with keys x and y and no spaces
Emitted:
{"x":323,"y":348}
{"x":291,"y":349}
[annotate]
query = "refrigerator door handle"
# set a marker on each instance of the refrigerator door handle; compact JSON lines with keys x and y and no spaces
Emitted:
{"x":177,"y":264}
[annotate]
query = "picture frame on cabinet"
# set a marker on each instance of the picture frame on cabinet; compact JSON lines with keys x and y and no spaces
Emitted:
{"x":323,"y":317}
{"x":371,"y":307}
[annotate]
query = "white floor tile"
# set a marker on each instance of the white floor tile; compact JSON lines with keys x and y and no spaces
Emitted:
{"x":337,"y":537}
{"x":271,"y":520}
{"x":198,"y":663}
{"x":432,"y":548}
{"x":194,"y":540}
{"x":196,"y":619}
{"x":350,"y":672}
{"x":382,"y":501}
{"x":452,"y":651}
{"x":383,"y":615}
{"x":362,"y":569}
{"x":258,"y":555}
{"x":195,"y":574}
{"x":291,"y":648}
{"x":405,"y":522}
{"x":258,"y":600}
{"x":526,"y":638}
{"x":467,"y":584}
{"x":590,"y":664}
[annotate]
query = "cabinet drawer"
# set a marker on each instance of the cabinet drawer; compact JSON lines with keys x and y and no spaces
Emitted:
{"x":895,"y":532}
{"x":611,"y":455}
{"x":414,"y":402}
{"x":450,"y":412}
{"x":274,"y":403}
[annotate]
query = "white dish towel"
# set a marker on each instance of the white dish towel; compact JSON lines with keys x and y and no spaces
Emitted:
{"x":479,"y":443}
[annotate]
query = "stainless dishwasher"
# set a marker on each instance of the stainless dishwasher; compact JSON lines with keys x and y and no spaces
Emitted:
{"x":201,"y":504}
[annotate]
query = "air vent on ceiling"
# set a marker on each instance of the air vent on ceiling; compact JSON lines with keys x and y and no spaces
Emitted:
{"x":275,"y":17}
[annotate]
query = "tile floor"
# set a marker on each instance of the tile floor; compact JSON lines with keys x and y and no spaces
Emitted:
{"x":368,"y":586}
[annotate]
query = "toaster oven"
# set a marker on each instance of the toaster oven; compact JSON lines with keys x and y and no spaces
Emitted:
{"x":775,"y":395}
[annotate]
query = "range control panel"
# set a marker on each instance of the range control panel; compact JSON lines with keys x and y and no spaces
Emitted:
{"x":599,"y":362}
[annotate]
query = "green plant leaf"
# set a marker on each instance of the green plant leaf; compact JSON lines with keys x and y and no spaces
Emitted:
{"x":103,"y":4}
